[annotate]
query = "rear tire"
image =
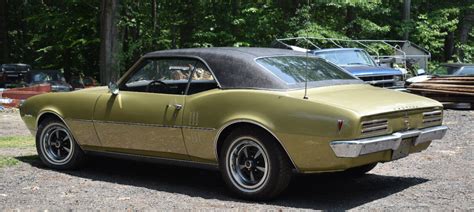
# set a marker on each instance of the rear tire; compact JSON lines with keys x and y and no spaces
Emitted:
{"x":253,"y":164}
{"x":56,"y":146}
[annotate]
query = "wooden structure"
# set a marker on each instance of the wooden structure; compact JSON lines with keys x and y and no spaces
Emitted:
{"x":446,"y":89}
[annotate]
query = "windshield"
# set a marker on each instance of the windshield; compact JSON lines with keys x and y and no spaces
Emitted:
{"x":295,"y":69}
{"x":347,"y":57}
{"x":466,"y":71}
{"x":46,"y":77}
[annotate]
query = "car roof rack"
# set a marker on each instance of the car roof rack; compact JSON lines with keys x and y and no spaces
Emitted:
{"x":401,"y":52}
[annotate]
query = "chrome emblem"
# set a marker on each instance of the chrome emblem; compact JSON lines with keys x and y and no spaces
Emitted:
{"x":406,"y":121}
{"x":407,"y":107}
{"x":340,"y":124}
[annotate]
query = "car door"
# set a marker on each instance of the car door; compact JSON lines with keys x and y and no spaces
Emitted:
{"x":201,"y":115}
{"x":145,"y":117}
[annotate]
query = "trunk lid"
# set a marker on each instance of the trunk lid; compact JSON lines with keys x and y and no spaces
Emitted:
{"x":366,"y":100}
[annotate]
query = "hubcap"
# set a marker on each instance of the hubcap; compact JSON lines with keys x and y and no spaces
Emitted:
{"x":248,"y":164}
{"x":57,"y":144}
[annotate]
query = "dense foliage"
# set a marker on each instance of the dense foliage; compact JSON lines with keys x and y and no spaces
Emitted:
{"x":66,"y":34}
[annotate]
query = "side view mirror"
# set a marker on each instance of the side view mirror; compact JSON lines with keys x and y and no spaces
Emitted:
{"x":113,"y":88}
{"x":377,"y":61}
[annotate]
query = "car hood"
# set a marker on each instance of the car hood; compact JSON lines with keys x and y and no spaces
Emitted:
{"x":366,"y":100}
{"x":371,"y":70}
{"x":98,"y":89}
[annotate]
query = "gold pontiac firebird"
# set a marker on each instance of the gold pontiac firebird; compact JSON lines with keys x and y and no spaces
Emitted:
{"x":256,"y":114}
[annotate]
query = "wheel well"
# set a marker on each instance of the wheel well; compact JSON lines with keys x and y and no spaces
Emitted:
{"x":226,"y":132}
{"x":48,"y":115}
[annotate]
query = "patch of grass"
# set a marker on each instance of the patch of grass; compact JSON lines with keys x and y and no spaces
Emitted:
{"x":17,"y":141}
{"x":7,"y":161}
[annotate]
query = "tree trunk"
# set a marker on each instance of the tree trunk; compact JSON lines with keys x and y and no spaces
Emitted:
{"x":235,"y":5}
{"x":289,"y":7}
{"x":67,"y":64}
{"x":466,"y":23}
{"x":406,"y":17}
{"x":351,"y":16}
{"x":109,"y":41}
{"x":3,"y":32}
{"x":449,"y":46}
{"x":153,"y":14}
{"x":186,"y":30}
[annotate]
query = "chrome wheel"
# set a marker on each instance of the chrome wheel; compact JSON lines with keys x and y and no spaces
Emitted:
{"x":57,"y":144}
{"x":248,"y":164}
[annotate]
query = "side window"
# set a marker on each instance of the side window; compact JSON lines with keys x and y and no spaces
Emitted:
{"x":168,"y":76}
{"x":467,"y":71}
{"x":201,"y":80}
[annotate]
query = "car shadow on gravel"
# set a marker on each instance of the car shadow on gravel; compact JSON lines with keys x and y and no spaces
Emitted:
{"x":316,"y":191}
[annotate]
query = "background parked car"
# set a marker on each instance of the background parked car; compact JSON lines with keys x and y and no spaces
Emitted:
{"x":13,"y":74}
{"x":446,"y":70}
{"x":455,"y":69}
{"x":360,"y":63}
{"x":80,"y":82}
{"x":53,"y":77}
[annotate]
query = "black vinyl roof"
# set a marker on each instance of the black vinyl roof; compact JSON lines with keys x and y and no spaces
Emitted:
{"x":242,"y":52}
{"x":235,"y":67}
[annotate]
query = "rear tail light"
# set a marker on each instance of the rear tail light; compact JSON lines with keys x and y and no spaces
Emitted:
{"x":374,"y":126}
{"x":432,"y":117}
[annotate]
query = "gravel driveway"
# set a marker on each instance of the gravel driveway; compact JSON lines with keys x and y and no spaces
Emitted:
{"x":440,"y":178}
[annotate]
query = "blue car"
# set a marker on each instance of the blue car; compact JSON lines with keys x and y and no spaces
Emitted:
{"x":360,"y":63}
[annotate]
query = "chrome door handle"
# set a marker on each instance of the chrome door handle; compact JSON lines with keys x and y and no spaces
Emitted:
{"x":176,"y":106}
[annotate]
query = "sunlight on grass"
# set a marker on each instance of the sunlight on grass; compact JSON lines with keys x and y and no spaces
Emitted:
{"x":7,"y":161}
{"x":17,"y":141}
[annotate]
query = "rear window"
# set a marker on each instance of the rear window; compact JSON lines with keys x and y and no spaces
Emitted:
{"x":295,"y":69}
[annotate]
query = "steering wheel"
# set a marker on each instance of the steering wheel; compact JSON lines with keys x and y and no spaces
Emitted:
{"x":153,"y":83}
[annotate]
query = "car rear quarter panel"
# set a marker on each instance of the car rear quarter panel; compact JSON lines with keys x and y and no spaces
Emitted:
{"x":304,"y":128}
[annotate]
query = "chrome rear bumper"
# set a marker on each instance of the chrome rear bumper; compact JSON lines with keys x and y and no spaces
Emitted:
{"x":355,"y":148}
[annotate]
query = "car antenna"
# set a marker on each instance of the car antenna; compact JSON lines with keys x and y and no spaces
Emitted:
{"x":306,"y":64}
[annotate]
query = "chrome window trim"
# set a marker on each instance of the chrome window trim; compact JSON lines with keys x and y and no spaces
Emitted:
{"x":189,"y":57}
{"x":140,"y":62}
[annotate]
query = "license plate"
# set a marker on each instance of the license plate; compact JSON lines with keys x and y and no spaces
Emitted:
{"x":403,"y":150}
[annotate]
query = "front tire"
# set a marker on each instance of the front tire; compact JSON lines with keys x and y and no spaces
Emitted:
{"x":253,"y":164}
{"x":56,"y":146}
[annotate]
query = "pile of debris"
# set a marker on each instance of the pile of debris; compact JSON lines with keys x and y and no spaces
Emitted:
{"x":446,"y":89}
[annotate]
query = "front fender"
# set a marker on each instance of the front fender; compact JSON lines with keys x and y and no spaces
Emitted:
{"x":75,"y":109}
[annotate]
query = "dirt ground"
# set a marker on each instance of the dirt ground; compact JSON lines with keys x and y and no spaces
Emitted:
{"x":440,"y":178}
{"x":11,"y":124}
